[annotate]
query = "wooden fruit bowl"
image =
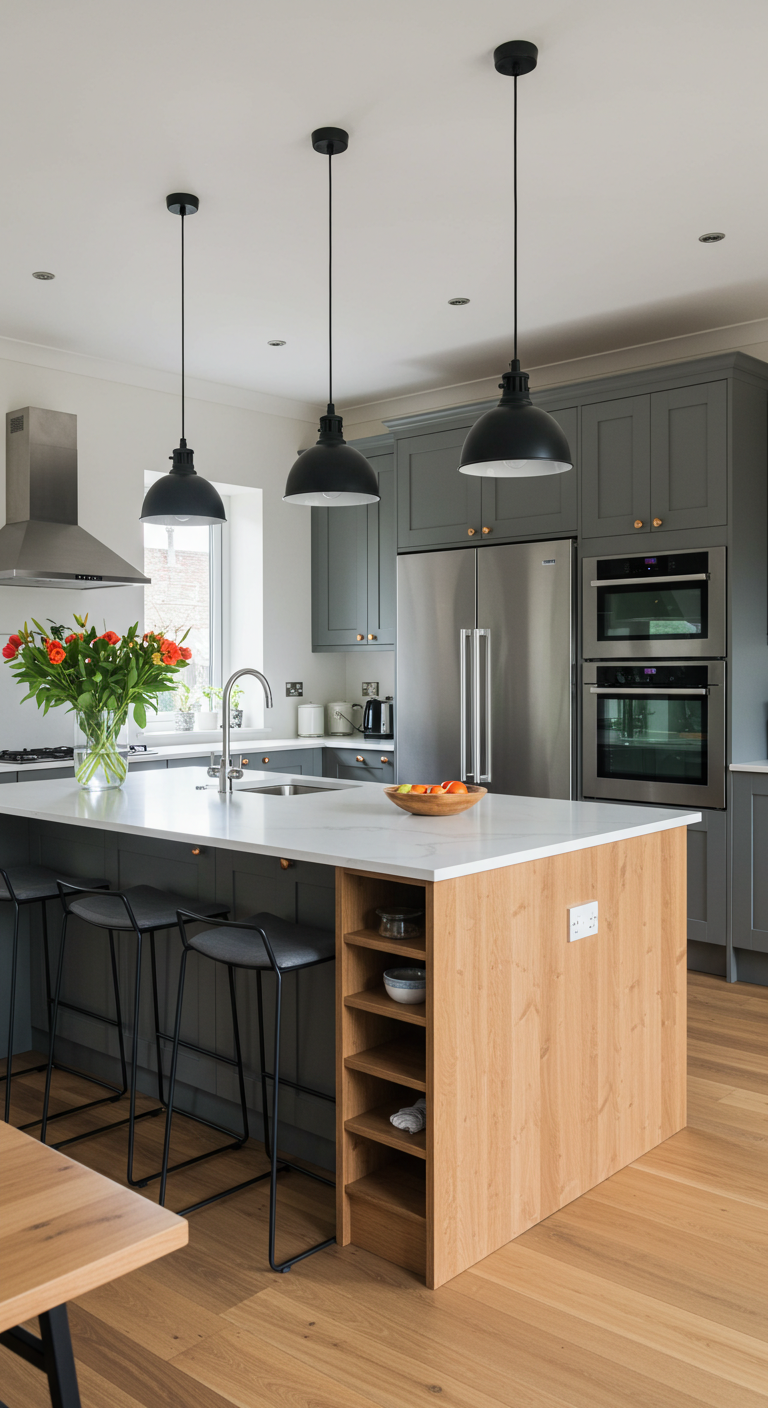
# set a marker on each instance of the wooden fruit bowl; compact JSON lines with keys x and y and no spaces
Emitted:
{"x":431,"y":804}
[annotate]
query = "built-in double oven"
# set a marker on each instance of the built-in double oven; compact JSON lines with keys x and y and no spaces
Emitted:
{"x":654,"y":645}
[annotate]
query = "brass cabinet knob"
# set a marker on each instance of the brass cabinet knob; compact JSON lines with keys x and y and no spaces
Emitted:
{"x":657,"y":522}
{"x":360,"y":637}
{"x":195,"y":850}
{"x":264,"y":760}
{"x":359,"y":758}
{"x":486,"y":531}
{"x":471,"y":532}
{"x":384,"y":758}
{"x":638,"y":522}
{"x":286,"y":864}
{"x":371,"y":637}
{"x":245,"y":762}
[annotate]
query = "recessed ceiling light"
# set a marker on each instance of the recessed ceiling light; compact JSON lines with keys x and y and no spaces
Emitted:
{"x":457,"y":302}
{"x":276,"y":342}
{"x":43,"y":274}
{"x":713,"y":237}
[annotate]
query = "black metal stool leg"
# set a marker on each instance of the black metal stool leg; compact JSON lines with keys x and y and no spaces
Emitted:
{"x":54,"y":1019}
{"x":263,"y":1065}
{"x":12,"y":1013}
{"x":238,"y":1052}
{"x":133,"y":1182}
{"x":172,"y":1079}
{"x":156,"y":1007}
{"x":118,"y":1012}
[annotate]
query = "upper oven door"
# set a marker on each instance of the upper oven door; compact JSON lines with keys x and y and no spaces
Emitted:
{"x":660,"y":740}
{"x":667,"y":606}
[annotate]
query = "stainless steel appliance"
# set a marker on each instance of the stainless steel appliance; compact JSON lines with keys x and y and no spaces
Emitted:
{"x":61,"y":754}
{"x":485,"y":667}
{"x":379,"y":718}
{"x":655,"y":732}
{"x":655,"y":606}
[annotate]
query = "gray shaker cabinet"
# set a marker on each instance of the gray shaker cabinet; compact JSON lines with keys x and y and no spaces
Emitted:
{"x":655,"y":463}
{"x":543,"y":504}
{"x":353,"y":565}
{"x":615,"y":467}
{"x":436,"y":506}
{"x":749,"y":863}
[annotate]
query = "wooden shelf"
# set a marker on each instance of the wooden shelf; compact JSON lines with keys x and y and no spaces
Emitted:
{"x":393,"y":1189}
{"x":377,"y":1000}
{"x":370,"y":938}
{"x":400,"y":1060}
{"x":375,"y":1124}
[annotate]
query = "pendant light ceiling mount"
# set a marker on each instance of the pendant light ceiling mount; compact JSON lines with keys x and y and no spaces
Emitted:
{"x":516,"y":439}
{"x":332,"y":474}
{"x":182,"y":496}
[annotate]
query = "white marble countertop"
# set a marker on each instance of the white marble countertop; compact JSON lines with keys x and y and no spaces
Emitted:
{"x":749,"y":767}
{"x":261,"y":744}
{"x":349,"y":824}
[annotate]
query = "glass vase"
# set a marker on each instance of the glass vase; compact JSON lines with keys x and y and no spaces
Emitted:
{"x":101,"y":749}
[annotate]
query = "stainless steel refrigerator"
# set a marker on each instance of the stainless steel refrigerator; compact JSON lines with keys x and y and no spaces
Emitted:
{"x":485,"y":667}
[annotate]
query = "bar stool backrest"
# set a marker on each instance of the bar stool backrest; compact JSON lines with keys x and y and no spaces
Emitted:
{"x":189,"y":916}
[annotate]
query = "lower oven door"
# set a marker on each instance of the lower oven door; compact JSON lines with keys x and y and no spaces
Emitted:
{"x":663,"y":745}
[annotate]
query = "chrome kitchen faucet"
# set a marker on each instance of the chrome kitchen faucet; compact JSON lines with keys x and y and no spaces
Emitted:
{"x":224,"y":772}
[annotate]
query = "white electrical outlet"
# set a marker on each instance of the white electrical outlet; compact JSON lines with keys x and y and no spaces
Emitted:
{"x":582,"y":920}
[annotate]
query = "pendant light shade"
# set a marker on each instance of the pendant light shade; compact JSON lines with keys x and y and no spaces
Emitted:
{"x":516,"y":440}
{"x":331,"y":474}
{"x":182,"y":497}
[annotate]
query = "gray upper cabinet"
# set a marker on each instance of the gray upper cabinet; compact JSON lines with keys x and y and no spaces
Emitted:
{"x":353,"y":565}
{"x":545,"y":504}
{"x":436,"y":506}
{"x":615,"y":467}
{"x":688,"y":457}
{"x":655,"y":462}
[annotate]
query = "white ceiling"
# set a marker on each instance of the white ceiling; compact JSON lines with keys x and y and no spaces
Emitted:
{"x":644,"y":125}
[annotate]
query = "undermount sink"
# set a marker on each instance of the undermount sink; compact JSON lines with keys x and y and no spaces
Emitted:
{"x":286,"y":789}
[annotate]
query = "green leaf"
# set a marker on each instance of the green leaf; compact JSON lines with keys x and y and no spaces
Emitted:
{"x":85,"y":700}
{"x":140,"y":715}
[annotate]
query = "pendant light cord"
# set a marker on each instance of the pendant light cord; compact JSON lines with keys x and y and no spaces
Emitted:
{"x":330,"y":281}
{"x":514,"y":197}
{"x":182,"y":212}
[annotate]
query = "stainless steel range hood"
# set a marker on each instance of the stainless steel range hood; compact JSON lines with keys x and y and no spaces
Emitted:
{"x":42,"y":544}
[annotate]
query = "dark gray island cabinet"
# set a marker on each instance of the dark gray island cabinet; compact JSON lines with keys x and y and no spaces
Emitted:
{"x":749,"y":871}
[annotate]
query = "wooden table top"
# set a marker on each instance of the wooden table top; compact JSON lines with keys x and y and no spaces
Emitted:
{"x":65,"y":1229}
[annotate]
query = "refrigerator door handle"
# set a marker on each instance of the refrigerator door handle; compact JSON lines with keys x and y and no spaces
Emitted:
{"x":464,"y":637}
{"x":482,"y":753}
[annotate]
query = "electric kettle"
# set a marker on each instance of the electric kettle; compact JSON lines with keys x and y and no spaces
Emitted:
{"x":379,"y":718}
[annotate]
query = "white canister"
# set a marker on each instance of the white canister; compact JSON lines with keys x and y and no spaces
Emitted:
{"x":340,"y":717}
{"x":311,"y":721}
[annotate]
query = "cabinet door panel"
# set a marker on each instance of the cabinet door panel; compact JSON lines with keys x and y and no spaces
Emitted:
{"x":435,"y":504}
{"x":367,"y":766}
{"x":339,"y":575}
{"x":688,"y":456}
{"x":546,"y":503}
{"x":382,"y":555}
{"x":615,"y":466}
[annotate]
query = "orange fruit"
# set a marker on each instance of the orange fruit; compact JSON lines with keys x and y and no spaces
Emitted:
{"x":440,"y":790}
{"x":417,"y":787}
{"x":455,"y":787}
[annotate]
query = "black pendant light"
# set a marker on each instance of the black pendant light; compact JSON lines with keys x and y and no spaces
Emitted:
{"x":516,"y":439}
{"x":182,"y":497}
{"x":331,"y":474}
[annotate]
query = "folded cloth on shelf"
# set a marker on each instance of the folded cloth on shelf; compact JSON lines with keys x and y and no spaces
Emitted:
{"x":413,"y":1118}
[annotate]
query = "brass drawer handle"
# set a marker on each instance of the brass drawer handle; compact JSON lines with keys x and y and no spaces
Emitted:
{"x":360,"y":637}
{"x":264,"y":760}
{"x":371,"y":637}
{"x":359,"y":758}
{"x":384,"y":759}
{"x":245,"y":762}
{"x":657,"y":522}
{"x":638,"y":522}
{"x":486,"y":531}
{"x":471,"y":532}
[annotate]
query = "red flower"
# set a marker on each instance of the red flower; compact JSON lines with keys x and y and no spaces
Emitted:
{"x":69,"y":639}
{"x":110,"y":638}
{"x":170,"y":652}
{"x":14,"y":640}
{"x":185,"y":652}
{"x":11,"y":650}
{"x":56,"y":651}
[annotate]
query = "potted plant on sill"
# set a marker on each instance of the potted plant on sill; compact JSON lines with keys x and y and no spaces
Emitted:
{"x":235,"y":712}
{"x":100,"y":678}
{"x":185,"y":699}
{"x":210,"y":718}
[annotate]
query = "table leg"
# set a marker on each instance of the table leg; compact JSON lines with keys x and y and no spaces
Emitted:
{"x":52,"y":1353}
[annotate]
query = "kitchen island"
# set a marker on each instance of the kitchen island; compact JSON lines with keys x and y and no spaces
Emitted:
{"x":547,"y":1064}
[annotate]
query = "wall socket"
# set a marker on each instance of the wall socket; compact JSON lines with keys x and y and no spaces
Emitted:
{"x":369,"y":689}
{"x":582,"y":920}
{"x":294,"y":689}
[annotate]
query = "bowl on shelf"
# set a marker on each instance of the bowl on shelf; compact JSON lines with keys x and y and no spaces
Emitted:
{"x":399,"y":922}
{"x":406,"y":984}
{"x":432,"y":804}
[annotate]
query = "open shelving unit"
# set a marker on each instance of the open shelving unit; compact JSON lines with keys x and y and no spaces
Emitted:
{"x":382,"y":1065}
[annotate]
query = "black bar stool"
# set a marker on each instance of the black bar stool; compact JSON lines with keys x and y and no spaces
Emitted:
{"x":142,"y":909}
{"x":267,"y":944}
{"x":35,"y":884}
